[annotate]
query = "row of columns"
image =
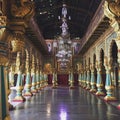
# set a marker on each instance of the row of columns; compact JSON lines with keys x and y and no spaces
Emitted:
{"x":70,"y":80}
{"x":35,"y":79}
{"x":87,"y":80}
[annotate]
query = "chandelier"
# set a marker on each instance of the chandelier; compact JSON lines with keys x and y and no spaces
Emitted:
{"x":64,"y":43}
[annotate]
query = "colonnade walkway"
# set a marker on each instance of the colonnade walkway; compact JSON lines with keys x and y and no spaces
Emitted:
{"x":65,"y":104}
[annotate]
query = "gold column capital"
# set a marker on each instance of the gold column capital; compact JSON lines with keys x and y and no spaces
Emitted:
{"x":17,"y":41}
{"x":3,"y":20}
{"x":92,"y":67}
{"x":22,"y":9}
{"x":112,"y":11}
{"x":18,"y":64}
{"x":4,"y":60}
{"x":98,"y":66}
{"x":27,"y":65}
{"x":33,"y":64}
{"x":107,"y":64}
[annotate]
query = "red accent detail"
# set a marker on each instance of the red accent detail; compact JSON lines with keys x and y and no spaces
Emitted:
{"x":28,"y":95}
{"x":72,"y":87}
{"x":110,"y":100}
{"x":63,"y":79}
{"x":118,"y":107}
{"x":98,"y":94}
{"x":50,"y":79}
{"x":19,"y":100}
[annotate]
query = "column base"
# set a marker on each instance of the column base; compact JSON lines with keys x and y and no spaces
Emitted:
{"x":34,"y":92}
{"x":118,"y":106}
{"x":19,"y":99}
{"x":100,"y":94}
{"x":54,"y":87}
{"x":38,"y":89}
{"x":28,"y":94}
{"x":93,"y":90}
{"x":110,"y":98}
{"x":7,"y":117}
{"x":87,"y":88}
{"x":10,"y":106}
{"x":84,"y":87}
{"x":72,"y":87}
{"x":81,"y":86}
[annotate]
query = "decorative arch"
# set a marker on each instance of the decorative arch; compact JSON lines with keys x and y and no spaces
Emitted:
{"x":102,"y":56}
{"x":113,"y":51}
{"x":89,"y":60}
{"x":94,"y":59}
{"x":102,"y":67}
{"x":95,"y":70}
{"x":113,"y":54}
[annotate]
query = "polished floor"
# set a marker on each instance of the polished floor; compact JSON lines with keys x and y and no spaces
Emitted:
{"x":65,"y":104}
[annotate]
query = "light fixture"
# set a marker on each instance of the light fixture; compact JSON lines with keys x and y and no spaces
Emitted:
{"x":63,"y":43}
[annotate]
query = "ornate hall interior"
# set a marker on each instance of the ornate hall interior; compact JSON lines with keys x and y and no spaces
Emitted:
{"x":59,"y":59}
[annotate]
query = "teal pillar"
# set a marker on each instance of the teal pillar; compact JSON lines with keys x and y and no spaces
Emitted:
{"x":79,"y":79}
{"x":88,"y":80}
{"x":28,"y":85}
{"x":19,"y":85}
{"x":11,"y":76}
{"x":99,"y":82}
{"x":84,"y":80}
{"x":46,"y":80}
{"x":119,"y":76}
{"x":28,"y":77}
{"x":4,"y":79}
{"x":4,"y":113}
{"x":40,"y":77}
{"x":33,"y":88}
{"x":33,"y":75}
{"x":54,"y":81}
{"x":93,"y":83}
{"x":71,"y":81}
{"x":42,"y":80}
{"x":19,"y":88}
{"x":38,"y":80}
{"x":108,"y":85}
{"x":69,"y":78}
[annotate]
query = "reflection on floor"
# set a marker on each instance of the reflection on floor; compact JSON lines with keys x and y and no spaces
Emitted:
{"x":64,"y":104}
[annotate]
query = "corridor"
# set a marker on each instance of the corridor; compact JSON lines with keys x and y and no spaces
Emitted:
{"x":65,"y":104}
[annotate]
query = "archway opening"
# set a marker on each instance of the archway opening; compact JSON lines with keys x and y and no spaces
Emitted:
{"x":114,"y":56}
{"x":89,"y":67}
{"x":103,"y":71}
{"x":95,"y":70}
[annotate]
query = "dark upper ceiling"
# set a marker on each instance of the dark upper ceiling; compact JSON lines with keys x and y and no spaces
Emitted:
{"x":81,"y":12}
